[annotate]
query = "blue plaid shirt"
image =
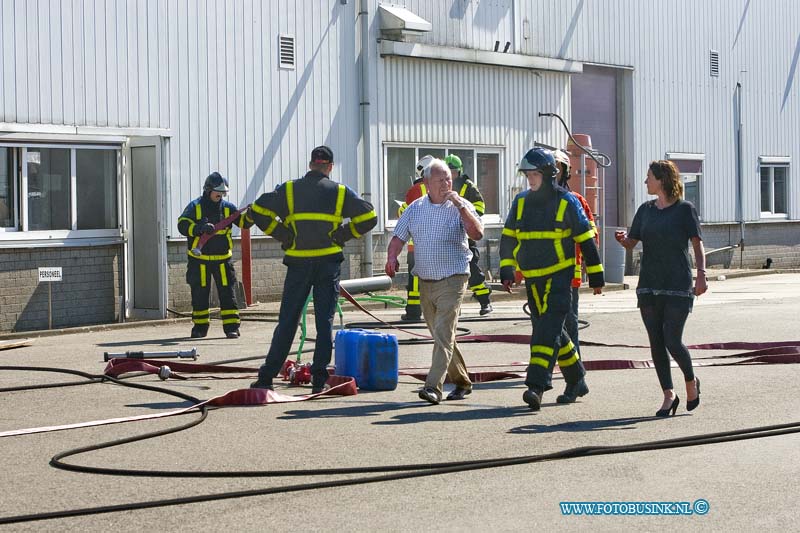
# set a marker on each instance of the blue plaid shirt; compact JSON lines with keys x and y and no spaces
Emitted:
{"x":440,"y":240}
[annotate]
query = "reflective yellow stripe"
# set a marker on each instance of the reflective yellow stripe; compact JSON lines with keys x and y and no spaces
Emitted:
{"x":314,"y":253}
{"x":577,"y":274}
{"x":365,"y":216}
{"x":566,"y":349}
{"x":202,"y":275}
{"x":463,"y":190}
{"x":324,"y":217}
{"x":271,"y":227}
{"x":541,"y":362}
{"x":190,"y":231}
{"x":202,"y":312}
{"x":520,"y":206}
{"x":480,"y":207}
{"x":231,"y":321}
{"x":189,"y":220}
{"x":228,"y":312}
{"x":422,"y":189}
{"x":568,"y":362}
{"x":547,"y":235}
{"x":211,"y":257}
{"x":562,"y":207}
{"x":539,"y":348}
{"x":201,"y":321}
{"x":559,"y":246}
{"x":290,"y":196}
{"x":539,"y":272}
{"x":508,"y":232}
{"x":264,"y":211}
{"x":584,"y":236}
{"x":198,"y":211}
{"x":353,"y":231}
{"x":223,"y":274}
{"x":594,"y":269}
{"x":536,"y":299}
{"x":340,"y":200}
{"x":249,"y":219}
{"x":508,"y":263}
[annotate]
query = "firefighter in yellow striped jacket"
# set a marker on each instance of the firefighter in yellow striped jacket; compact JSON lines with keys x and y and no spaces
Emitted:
{"x":539,"y":238}
{"x":213,"y":260}
{"x":312,"y":217}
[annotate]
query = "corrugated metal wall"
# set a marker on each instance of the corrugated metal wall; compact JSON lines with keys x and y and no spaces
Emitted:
{"x":676,"y":106}
{"x":466,"y":23}
{"x":237,"y":112}
{"x":207,"y":69}
{"x":456,"y":103}
{"x":84,"y":63}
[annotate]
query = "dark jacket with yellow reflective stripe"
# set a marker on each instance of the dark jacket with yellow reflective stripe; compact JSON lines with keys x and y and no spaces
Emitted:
{"x":468,"y":191}
{"x":202,"y":210}
{"x":307,"y":216}
{"x":540,"y":232}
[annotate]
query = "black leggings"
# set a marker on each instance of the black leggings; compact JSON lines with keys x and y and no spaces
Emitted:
{"x":664,"y":324}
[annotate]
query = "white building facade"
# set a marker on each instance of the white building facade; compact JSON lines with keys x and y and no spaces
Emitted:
{"x":112,"y":113}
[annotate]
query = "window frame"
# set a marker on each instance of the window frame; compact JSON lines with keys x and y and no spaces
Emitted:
{"x":698,"y":158}
{"x":488,"y":219}
{"x":20,"y":231}
{"x":772,"y":165}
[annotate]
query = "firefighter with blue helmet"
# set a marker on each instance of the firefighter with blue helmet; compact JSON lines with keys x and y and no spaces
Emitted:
{"x":466,"y":189}
{"x":213,"y":259}
{"x":539,"y":237}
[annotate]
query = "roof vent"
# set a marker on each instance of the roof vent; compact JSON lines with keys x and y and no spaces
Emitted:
{"x":286,"y":52}
{"x":713,"y":63}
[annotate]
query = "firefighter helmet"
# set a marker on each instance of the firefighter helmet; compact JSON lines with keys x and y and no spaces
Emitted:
{"x":422,"y":163}
{"x":454,"y":162}
{"x":215,"y":182}
{"x":562,"y":159}
{"x":539,"y":159}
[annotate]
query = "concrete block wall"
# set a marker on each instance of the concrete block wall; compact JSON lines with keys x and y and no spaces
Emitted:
{"x":89,"y":293}
{"x":779,"y":241}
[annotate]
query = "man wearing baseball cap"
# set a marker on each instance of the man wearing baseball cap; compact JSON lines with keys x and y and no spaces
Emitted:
{"x":312,"y":217}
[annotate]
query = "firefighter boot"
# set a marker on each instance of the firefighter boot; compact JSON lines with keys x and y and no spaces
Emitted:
{"x":573,"y":392}
{"x":533,"y":397}
{"x":199,"y":331}
{"x":486,"y":305}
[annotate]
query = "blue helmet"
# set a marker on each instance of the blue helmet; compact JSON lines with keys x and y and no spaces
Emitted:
{"x":539,"y":159}
{"x":215,"y":182}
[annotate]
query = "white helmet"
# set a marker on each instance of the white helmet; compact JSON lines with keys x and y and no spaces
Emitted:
{"x":562,"y":158}
{"x":422,"y":163}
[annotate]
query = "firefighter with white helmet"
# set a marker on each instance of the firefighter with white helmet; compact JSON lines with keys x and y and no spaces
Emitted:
{"x":539,"y":237}
{"x":571,"y":323}
{"x":417,"y":190}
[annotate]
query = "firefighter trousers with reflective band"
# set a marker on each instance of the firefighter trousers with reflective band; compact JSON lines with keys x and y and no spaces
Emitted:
{"x":321,"y":275}
{"x":549,"y":300}
{"x":413,"y":309}
{"x":199,"y":275}
{"x":477,"y":279}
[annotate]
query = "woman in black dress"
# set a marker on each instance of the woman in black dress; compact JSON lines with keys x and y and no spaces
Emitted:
{"x":665,"y":293}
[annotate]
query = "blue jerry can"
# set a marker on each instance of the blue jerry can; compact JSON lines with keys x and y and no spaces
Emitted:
{"x":345,"y":354}
{"x":378,"y":364}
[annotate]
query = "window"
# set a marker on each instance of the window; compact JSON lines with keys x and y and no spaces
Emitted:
{"x":691,"y":169}
{"x":8,"y":195}
{"x":774,"y":178}
{"x":482,"y":165}
{"x":59,"y":189}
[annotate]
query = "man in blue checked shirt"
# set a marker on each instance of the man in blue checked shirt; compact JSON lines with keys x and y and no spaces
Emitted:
{"x":440,"y":223}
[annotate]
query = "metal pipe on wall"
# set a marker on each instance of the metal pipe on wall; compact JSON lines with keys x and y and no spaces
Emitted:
{"x":739,"y":172}
{"x":365,"y":177}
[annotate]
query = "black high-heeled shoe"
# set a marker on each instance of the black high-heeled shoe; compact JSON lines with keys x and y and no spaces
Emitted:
{"x":673,"y":408}
{"x":691,"y":405}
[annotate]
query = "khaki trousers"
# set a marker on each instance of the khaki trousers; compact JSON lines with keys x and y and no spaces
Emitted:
{"x":441,"y":301}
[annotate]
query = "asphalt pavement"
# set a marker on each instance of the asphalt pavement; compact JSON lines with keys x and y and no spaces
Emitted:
{"x":747,"y":484}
